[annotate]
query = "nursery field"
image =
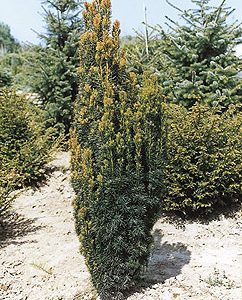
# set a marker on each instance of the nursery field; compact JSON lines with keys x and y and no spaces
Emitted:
{"x":39,"y":251}
{"x":121,"y":156}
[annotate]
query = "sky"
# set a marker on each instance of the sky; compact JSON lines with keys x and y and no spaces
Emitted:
{"x":24,"y":16}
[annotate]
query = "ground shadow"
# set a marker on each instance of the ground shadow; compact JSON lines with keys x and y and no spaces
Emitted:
{"x":180,"y":219}
{"x":14,"y":227}
{"x":166,"y":261}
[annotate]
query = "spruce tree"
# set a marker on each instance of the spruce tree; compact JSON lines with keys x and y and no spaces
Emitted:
{"x":56,"y":62}
{"x":203,"y":52}
{"x":115,"y":156}
{"x":154,"y":62}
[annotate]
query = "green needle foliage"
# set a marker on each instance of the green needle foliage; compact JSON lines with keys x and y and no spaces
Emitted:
{"x":25,"y":145}
{"x":203,"y":52}
{"x":116,"y":145}
{"x":56,"y":62}
{"x":7,"y":186}
{"x":155,"y":61}
{"x":8,"y":45}
{"x":5,"y":78}
{"x":203,"y":158}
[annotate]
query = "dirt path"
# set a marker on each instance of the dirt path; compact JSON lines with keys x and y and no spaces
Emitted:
{"x":40,"y":260}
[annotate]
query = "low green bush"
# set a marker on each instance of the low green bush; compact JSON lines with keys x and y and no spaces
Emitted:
{"x":25,"y":145}
{"x":203,"y":165}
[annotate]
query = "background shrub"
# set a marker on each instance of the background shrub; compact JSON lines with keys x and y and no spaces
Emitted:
{"x":115,"y":152}
{"x":25,"y":145}
{"x":203,"y":158}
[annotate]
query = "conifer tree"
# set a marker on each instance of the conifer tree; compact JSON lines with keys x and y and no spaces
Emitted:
{"x":56,"y":62}
{"x":138,"y":58}
{"x":115,"y":153}
{"x":155,"y":62}
{"x":203,"y":53}
{"x":7,"y":42}
{"x":8,"y":45}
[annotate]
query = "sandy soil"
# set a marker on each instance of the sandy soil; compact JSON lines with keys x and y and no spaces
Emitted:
{"x":39,"y":254}
{"x":40,"y":260}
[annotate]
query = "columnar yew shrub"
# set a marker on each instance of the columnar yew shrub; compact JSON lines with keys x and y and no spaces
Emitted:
{"x":203,"y":158}
{"x":115,"y":153}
